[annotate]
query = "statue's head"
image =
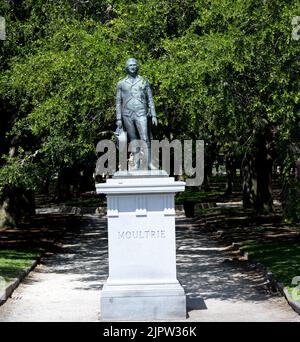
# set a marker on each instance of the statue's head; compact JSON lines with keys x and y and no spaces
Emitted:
{"x":132,"y":66}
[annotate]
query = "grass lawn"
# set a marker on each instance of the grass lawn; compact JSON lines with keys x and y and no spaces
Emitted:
{"x":282,"y":257}
{"x":13,"y":261}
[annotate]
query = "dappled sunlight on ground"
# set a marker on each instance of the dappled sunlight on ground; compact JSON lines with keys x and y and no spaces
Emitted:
{"x":66,"y":285}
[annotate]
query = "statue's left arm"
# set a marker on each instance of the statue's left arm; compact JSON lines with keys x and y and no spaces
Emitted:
{"x":150,"y":101}
{"x":151,"y":104}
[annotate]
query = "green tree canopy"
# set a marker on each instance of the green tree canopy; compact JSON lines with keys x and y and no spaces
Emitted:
{"x":221,"y":70}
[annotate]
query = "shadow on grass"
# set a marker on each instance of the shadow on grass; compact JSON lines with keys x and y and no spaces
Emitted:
{"x":266,"y":238}
{"x":282,"y":258}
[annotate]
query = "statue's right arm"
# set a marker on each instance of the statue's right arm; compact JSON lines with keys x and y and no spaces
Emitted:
{"x":119,"y":101}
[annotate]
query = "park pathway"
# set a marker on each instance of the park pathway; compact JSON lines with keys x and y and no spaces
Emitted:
{"x":66,"y":286}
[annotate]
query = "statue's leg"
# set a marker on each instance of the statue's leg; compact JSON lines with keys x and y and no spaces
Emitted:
{"x":132,"y":136}
{"x":130,"y":128}
{"x":142,"y":127}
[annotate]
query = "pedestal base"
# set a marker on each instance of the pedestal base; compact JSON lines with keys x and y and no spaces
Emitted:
{"x":142,"y":283}
{"x":143,"y":302}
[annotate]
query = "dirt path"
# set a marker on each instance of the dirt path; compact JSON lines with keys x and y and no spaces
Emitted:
{"x":67,"y":286}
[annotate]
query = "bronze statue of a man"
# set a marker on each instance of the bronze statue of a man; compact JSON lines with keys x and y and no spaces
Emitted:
{"x":134,"y":104}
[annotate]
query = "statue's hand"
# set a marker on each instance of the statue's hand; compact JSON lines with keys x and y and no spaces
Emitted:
{"x":119,"y":124}
{"x":154,"y":121}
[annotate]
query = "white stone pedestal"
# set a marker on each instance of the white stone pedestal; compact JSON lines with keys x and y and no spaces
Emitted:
{"x":142,"y":282}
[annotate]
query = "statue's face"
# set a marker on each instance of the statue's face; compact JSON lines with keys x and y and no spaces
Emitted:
{"x":132,"y":66}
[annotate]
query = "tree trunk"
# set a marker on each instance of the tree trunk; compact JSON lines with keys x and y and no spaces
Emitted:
{"x":16,"y":206}
{"x":211,"y":152}
{"x":264,"y":162}
{"x":291,"y":194}
{"x":68,"y":184}
{"x":257,"y":176}
{"x":249,"y":181}
{"x":297,"y":174}
{"x":230,"y":173}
